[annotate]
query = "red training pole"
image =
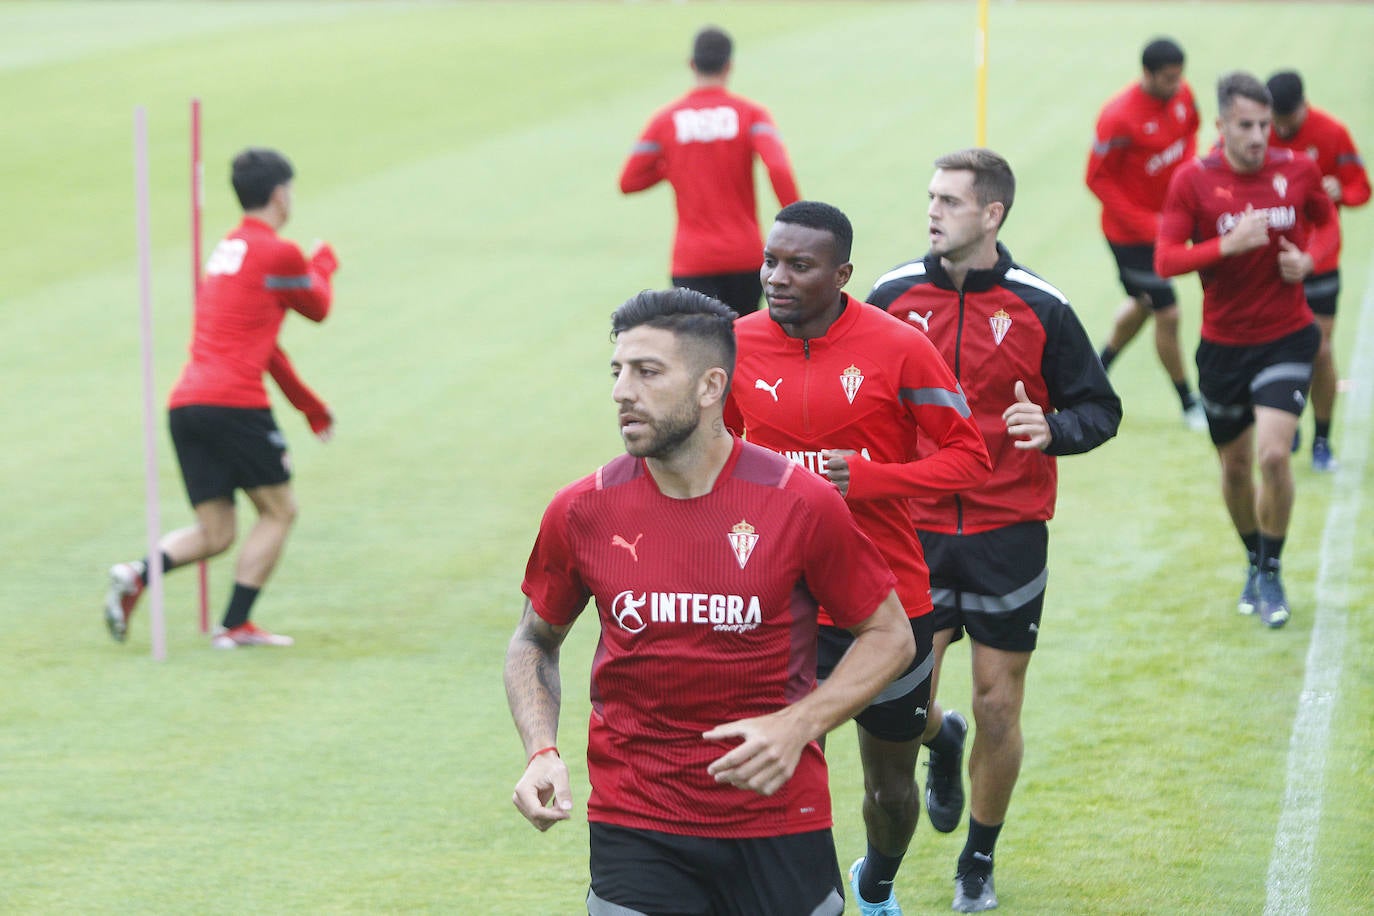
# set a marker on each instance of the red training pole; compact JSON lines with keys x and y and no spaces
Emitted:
{"x":197,"y":203}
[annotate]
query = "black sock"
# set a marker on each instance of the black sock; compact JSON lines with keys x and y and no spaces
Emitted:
{"x":167,"y":566}
{"x":877,"y":875}
{"x":978,"y":850}
{"x":1270,"y":549}
{"x":1252,"y":546}
{"x":1321,"y":429}
{"x":1185,"y":396}
{"x":944,"y":741}
{"x":1107,"y":354}
{"x":240,"y":606}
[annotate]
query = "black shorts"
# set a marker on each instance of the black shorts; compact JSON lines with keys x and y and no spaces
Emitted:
{"x":1135,"y":265}
{"x":898,"y":713}
{"x":1322,"y":290}
{"x":1234,"y":380}
{"x":648,"y":873}
{"x":740,"y":291}
{"x":991,"y":583}
{"x":222,"y":449}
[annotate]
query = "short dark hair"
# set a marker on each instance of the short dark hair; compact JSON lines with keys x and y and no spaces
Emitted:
{"x":992,"y":176}
{"x":707,"y":322}
{"x":815,"y":215}
{"x":1161,"y":53}
{"x":1286,"y":89}
{"x":256,"y":173}
{"x":711,"y":50}
{"x":1238,"y":83}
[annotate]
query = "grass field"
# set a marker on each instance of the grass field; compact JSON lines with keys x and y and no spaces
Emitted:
{"x":462,"y":159}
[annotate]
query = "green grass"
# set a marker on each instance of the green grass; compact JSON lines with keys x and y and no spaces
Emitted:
{"x":462,"y":159}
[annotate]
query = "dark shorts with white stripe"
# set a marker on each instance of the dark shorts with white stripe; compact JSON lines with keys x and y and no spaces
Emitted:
{"x":1322,"y":290}
{"x":991,"y":584}
{"x":1135,"y":265}
{"x":648,"y":873}
{"x":898,"y":713}
{"x":1235,"y":380}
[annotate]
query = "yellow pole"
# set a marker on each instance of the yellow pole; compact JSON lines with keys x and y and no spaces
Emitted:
{"x":981,"y":65}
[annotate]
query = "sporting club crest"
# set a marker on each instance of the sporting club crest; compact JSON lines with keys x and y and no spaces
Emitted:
{"x":1001,"y":324}
{"x":1281,"y":185}
{"x":850,"y":380}
{"x":742,"y":540}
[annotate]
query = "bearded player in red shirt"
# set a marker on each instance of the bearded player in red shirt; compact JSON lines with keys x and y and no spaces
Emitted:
{"x":705,"y":557}
{"x":1239,"y":217}
{"x":848,"y":391}
{"x":1308,"y":130}
{"x":704,"y":144}
{"x":1143,"y":134}
{"x":219,"y":413}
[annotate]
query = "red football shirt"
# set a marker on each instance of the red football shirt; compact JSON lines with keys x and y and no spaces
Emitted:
{"x":1326,"y":141}
{"x":704,"y":144}
{"x":251,"y":279}
{"x":875,"y":385}
{"x":1140,"y":141}
{"x":708,"y":615}
{"x":1244,"y":300}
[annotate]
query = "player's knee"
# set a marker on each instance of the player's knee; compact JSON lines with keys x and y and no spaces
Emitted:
{"x":219,"y":536}
{"x":997,"y":712}
{"x":1274,"y":459}
{"x":891,"y":792}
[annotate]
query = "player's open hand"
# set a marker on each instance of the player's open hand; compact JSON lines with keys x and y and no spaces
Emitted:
{"x":1251,"y":231}
{"x":545,"y":780}
{"x":836,"y":468}
{"x":765,"y":758}
{"x":1026,"y":418}
{"x":1294,"y":263}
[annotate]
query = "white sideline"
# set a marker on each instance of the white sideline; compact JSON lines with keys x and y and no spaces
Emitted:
{"x":1291,"y":865}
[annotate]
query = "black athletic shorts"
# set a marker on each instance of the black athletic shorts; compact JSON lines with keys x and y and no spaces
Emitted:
{"x":1322,"y":290}
{"x":898,"y":713}
{"x":991,"y":583}
{"x":740,"y":291}
{"x":1234,"y":380}
{"x":1135,"y":265}
{"x":221,"y":449}
{"x":647,"y":873}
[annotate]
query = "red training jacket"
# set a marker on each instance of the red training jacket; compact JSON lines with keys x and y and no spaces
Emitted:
{"x":1140,"y":141}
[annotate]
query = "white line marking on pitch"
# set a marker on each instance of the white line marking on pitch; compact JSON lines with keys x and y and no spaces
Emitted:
{"x":1289,"y":885}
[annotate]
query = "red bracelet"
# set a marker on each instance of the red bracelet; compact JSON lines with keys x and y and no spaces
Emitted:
{"x":542,"y":750}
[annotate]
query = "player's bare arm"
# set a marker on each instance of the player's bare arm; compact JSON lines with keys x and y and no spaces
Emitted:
{"x":535,"y":693}
{"x":771,"y":745}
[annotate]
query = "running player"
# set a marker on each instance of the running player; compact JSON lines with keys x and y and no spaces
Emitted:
{"x":704,"y":144}
{"x":1143,"y":134}
{"x":220,"y":417}
{"x":1239,"y":217}
{"x":1306,"y":129}
{"x":851,"y":393}
{"x":705,"y":557}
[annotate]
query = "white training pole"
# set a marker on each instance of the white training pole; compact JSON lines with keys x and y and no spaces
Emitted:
{"x":145,"y":287}
{"x":197,"y":205}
